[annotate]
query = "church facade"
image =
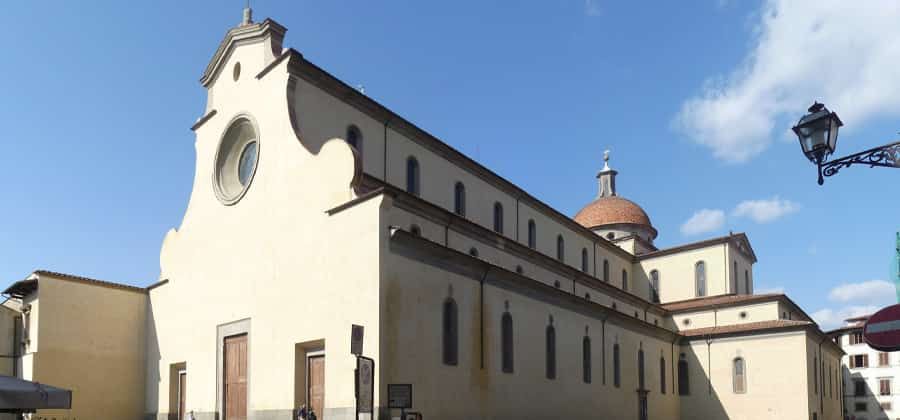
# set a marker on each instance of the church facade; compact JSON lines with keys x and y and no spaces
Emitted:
{"x":315,"y":208}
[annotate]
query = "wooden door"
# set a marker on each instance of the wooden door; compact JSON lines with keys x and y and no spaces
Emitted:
{"x":182,"y":387}
{"x":316,"y":384}
{"x":235,"y":367}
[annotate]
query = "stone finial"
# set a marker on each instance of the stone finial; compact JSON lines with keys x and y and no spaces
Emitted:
{"x":248,"y":15}
{"x":606,"y":178}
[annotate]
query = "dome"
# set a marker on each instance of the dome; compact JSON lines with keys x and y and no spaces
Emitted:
{"x":612,"y":216}
{"x":612,"y":210}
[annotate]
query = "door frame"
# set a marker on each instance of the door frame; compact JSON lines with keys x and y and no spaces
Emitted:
{"x":179,"y":394}
{"x":230,"y":329}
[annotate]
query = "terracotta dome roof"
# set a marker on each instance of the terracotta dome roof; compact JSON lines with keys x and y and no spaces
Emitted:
{"x":612,"y":210}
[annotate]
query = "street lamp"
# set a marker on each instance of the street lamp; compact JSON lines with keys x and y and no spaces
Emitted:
{"x":818,"y":131}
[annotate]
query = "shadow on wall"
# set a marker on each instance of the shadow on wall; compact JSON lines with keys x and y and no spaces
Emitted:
{"x":700,"y":401}
{"x":153,"y":377}
{"x":860,"y":399}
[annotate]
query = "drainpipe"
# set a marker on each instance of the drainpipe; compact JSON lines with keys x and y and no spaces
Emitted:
{"x":481,"y":314}
{"x":447,"y":232}
{"x":673,"y":364}
{"x":709,"y":363}
{"x":603,"y":344}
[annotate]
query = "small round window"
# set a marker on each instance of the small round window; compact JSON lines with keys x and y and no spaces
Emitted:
{"x":236,"y":160}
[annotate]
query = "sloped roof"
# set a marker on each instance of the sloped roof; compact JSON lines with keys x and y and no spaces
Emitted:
{"x":22,"y":288}
{"x":743,"y":328}
{"x":718,"y":301}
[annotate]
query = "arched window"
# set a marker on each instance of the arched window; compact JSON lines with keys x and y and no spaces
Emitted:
{"x":640,"y":368}
{"x":412,"y":175}
{"x":506,"y":342}
{"x":700,"y":278}
{"x":459,"y":199}
{"x":451,"y":333}
{"x":354,"y":138}
{"x":747,"y":282}
{"x":739,"y":376}
{"x":617,"y":371}
{"x":654,"y":286}
{"x":662,"y":375}
{"x":532,"y":234}
{"x":473,"y":252}
{"x":551,"y":352}
{"x":606,"y":271}
{"x":734,"y":279}
{"x":684,"y":382}
{"x":584,"y":260}
{"x":586,"y":359}
{"x":498,"y":217}
{"x":415,"y":230}
{"x":560,"y":248}
{"x":624,"y":280}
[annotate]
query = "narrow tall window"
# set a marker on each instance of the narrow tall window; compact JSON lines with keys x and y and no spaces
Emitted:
{"x":734,"y":279}
{"x":586,"y":359}
{"x":815,"y":375}
{"x":584,"y":260}
{"x":412,"y":176}
{"x":624,"y":280}
{"x":451,"y":333}
{"x":640,"y":368}
{"x":498,"y":217}
{"x":747,"y":282}
{"x":662,"y":375}
{"x":606,"y":271}
{"x":560,"y":248}
{"x":459,"y":199}
{"x":506,"y":342}
{"x":551,"y":352}
{"x":617,"y":371}
{"x":354,"y":138}
{"x":684,"y":382}
{"x":700,"y":278}
{"x":654,"y":286}
{"x":739,"y":376}
{"x":532,"y":234}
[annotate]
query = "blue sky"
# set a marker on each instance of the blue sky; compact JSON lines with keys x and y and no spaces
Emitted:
{"x":693,"y":98}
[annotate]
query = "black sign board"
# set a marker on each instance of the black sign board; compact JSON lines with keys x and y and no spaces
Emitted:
{"x":365,"y":387}
{"x":356,"y":339}
{"x":400,"y":396}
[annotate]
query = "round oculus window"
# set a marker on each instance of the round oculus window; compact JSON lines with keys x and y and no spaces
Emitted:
{"x":236,"y":160}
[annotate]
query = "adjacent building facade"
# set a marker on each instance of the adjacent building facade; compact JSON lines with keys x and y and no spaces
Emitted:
{"x":870,"y":376}
{"x":315,"y":208}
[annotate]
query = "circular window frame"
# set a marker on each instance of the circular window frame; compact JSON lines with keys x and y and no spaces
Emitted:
{"x":234,"y":150}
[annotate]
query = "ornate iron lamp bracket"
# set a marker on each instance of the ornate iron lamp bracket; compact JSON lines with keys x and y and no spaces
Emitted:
{"x":887,"y":156}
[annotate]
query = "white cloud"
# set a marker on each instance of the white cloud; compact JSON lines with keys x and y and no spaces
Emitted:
{"x":829,"y":319}
{"x":703,"y":221}
{"x":843,"y":53}
{"x":873,"y":291}
{"x":765,"y":211}
{"x":862,"y":298}
{"x":768,"y":290}
{"x":592,"y":7}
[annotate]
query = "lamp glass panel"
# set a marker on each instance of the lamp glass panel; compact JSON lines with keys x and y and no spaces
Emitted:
{"x":832,"y":134}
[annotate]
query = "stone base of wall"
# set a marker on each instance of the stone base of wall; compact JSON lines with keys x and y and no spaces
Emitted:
{"x":336,"y":413}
